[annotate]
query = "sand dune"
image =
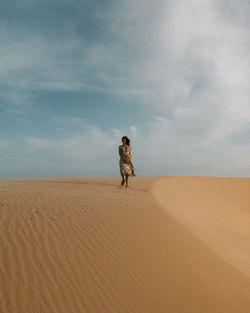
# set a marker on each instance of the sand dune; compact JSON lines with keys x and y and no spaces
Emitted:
{"x":216,"y":209}
{"x":87,"y":244}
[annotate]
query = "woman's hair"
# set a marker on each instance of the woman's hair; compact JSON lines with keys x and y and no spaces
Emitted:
{"x":127,"y":140}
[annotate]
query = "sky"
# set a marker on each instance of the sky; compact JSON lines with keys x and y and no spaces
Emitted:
{"x":171,"y":75}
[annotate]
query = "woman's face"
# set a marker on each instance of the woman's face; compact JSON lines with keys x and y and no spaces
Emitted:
{"x":124,"y":140}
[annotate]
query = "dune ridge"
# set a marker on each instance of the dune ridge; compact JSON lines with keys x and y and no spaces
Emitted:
{"x":87,"y":244}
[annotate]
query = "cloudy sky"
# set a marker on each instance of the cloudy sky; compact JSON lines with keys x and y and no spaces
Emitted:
{"x":171,"y":75}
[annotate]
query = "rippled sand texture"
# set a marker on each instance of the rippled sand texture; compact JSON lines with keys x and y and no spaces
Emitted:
{"x":89,"y":245}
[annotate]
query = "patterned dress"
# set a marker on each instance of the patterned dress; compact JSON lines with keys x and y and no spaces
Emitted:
{"x":126,"y":164}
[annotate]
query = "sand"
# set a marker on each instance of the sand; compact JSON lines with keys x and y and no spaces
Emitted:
{"x":165,"y":244}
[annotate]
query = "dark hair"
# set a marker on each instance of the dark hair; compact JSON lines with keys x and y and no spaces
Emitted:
{"x":127,"y":140}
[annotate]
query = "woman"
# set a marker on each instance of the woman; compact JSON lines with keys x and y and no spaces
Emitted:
{"x":126,"y":165}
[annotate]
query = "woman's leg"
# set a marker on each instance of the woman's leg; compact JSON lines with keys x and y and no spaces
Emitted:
{"x":127,"y":175}
{"x":122,"y":183}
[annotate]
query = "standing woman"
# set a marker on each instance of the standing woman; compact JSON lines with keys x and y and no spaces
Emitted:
{"x":126,"y":165}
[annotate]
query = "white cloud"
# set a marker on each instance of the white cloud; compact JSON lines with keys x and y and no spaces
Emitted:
{"x":199,"y":62}
{"x":37,"y":142}
{"x":134,"y":131}
{"x":192,"y":59}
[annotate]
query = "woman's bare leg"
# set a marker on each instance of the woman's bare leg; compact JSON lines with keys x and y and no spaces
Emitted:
{"x":127,"y":175}
{"x":123,"y":180}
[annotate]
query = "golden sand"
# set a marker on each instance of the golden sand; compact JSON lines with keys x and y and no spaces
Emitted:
{"x":165,"y":244}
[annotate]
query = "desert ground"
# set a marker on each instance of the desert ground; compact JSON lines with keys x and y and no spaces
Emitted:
{"x":165,"y":244}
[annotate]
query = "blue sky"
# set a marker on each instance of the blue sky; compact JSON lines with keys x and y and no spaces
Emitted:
{"x":172,"y":75}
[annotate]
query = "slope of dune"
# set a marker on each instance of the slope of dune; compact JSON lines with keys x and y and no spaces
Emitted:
{"x":216,"y":209}
{"x":89,"y":245}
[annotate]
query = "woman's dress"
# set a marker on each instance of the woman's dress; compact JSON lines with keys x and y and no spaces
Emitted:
{"x":126,"y":164}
